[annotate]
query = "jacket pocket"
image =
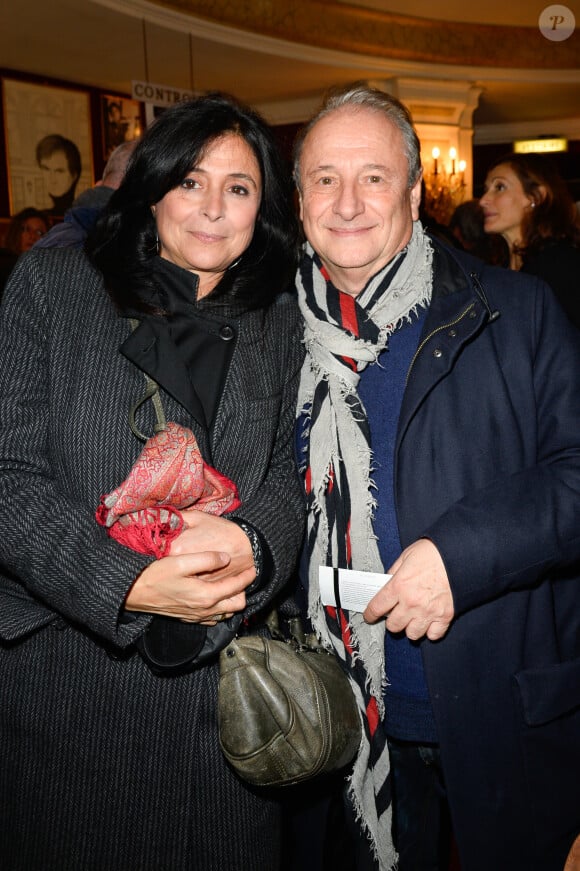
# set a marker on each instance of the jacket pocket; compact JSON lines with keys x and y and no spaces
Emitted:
{"x":550,"y":692}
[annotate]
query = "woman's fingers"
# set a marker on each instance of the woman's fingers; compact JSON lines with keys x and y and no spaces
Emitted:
{"x":189,"y":586}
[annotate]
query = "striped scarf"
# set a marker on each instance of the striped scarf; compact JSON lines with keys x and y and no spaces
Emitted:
{"x":343,"y":334}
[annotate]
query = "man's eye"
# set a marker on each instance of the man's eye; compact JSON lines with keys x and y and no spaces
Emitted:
{"x":375,"y":179}
{"x":325,"y":180}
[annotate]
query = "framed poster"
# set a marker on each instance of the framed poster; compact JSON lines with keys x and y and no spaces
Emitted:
{"x":48,"y":145}
{"x":121,"y":122}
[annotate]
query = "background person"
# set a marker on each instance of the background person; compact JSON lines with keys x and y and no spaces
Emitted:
{"x":527,"y":201}
{"x":60,"y":162}
{"x":80,"y":219}
{"x":25,"y":229}
{"x":466,"y":224}
{"x":440,"y":431}
{"x":121,"y":767}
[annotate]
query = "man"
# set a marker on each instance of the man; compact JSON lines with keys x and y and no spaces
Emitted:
{"x":440,"y":421}
{"x":60,"y":161}
{"x":82,"y":216}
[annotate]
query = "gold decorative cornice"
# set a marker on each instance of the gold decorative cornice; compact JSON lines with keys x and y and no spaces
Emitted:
{"x":340,"y":27}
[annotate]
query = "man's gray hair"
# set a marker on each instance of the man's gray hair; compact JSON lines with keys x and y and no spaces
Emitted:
{"x":361,"y":95}
{"x":116,"y":165}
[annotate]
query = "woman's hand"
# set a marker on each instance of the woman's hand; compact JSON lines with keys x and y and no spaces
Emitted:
{"x":206,"y":532}
{"x":191,"y":586}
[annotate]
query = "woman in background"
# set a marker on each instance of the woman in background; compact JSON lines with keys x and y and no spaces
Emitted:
{"x":25,"y":229}
{"x":108,"y":732}
{"x":528,"y":203}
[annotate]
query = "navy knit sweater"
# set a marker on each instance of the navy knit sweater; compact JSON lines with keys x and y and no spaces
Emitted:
{"x":408,"y":711}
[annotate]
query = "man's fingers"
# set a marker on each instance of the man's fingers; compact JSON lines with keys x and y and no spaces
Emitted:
{"x":379,"y":606}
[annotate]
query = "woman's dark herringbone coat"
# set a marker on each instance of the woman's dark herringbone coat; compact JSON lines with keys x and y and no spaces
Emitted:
{"x":106,"y":767}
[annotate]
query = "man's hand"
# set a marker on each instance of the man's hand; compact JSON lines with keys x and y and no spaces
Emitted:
{"x":417,"y":599}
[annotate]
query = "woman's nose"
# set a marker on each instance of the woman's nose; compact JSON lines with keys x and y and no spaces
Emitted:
{"x":212,"y":205}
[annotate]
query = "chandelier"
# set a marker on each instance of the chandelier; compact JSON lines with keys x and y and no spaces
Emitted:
{"x":444,"y":185}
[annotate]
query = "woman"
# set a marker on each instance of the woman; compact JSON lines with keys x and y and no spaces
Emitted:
{"x":26,"y":227}
{"x":528,"y":203}
{"x":111,"y":753}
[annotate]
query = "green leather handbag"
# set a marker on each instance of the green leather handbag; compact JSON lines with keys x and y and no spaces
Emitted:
{"x":286,"y":710}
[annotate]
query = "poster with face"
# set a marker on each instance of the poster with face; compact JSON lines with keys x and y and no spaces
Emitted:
{"x":121,"y":121}
{"x":48,"y":145}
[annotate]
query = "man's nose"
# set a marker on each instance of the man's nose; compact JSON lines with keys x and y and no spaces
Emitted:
{"x":348,"y":203}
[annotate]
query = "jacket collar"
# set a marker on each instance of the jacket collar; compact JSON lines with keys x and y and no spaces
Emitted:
{"x":458,"y":311}
{"x":150,"y":349}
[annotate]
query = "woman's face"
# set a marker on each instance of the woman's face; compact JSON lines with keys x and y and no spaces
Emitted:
{"x":504,"y":203}
{"x":32,"y":230}
{"x":208,"y":221}
{"x":58,"y":177}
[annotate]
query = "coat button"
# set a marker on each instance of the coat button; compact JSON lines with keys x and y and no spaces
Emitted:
{"x":226,"y":333}
{"x":437,"y":352}
{"x":472,"y":314}
{"x":452,"y":333}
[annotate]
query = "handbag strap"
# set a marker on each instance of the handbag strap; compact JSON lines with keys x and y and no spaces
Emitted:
{"x":296,"y":633}
{"x":152,"y":393}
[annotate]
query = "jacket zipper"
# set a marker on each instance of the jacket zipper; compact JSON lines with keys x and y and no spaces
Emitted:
{"x":433,"y":333}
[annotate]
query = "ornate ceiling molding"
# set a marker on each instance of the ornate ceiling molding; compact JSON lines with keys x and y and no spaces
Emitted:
{"x":334,"y":26}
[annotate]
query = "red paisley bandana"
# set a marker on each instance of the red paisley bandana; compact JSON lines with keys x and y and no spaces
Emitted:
{"x":144,"y":512}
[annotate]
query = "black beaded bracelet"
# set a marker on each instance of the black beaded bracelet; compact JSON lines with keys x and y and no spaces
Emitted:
{"x":257,"y":554}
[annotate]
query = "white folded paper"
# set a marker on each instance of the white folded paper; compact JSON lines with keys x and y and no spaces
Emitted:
{"x":355,"y":589}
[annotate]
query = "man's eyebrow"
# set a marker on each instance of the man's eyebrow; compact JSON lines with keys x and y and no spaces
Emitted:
{"x":330,"y":167}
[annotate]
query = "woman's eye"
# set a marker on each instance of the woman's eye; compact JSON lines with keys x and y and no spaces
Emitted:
{"x":189,"y":184}
{"x":239,"y":190}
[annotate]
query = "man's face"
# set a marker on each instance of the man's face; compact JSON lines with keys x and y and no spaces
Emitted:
{"x":355,"y":205}
{"x":58,"y":177}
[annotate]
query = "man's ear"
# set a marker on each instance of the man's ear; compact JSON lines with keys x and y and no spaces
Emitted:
{"x":300,"y":207}
{"x":415,"y":197}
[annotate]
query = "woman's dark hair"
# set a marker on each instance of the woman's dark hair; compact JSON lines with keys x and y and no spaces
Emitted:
{"x":467,"y":226}
{"x":14,"y":233}
{"x":554,"y":215}
{"x":124,"y":241}
{"x":54,"y":142}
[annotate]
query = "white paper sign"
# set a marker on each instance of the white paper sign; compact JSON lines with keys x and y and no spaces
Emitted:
{"x":355,"y":589}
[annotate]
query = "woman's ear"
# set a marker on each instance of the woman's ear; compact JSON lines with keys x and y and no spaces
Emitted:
{"x":539,"y":194}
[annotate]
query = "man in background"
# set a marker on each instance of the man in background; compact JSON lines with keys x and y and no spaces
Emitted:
{"x":81,"y":217}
